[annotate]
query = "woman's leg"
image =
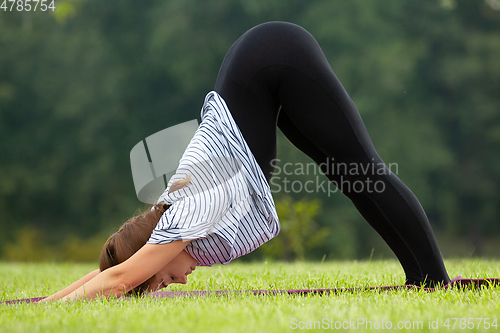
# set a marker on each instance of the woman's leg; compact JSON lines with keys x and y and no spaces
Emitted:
{"x":281,"y":65}
{"x":365,"y":206}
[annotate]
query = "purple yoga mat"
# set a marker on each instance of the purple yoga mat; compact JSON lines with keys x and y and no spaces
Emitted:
{"x":457,"y":282}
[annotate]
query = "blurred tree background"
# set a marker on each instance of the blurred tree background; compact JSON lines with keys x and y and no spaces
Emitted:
{"x":81,"y":85}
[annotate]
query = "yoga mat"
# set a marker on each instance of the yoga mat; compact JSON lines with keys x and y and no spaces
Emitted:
{"x":457,"y":282}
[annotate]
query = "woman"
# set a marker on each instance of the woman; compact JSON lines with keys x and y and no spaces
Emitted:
{"x":218,"y":206}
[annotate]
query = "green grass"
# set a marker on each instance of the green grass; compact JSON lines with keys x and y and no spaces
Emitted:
{"x":246,"y":312}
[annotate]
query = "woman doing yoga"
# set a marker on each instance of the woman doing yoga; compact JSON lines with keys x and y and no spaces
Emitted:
{"x":218,"y":206}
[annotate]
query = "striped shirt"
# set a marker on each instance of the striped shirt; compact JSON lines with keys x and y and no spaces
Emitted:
{"x":227,"y":209}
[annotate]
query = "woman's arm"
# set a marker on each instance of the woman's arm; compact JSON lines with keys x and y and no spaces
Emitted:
{"x":75,"y":285}
{"x":119,"y":279}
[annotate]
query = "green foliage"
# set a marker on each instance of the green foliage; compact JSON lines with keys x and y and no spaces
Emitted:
{"x":299,"y":232}
{"x":80,"y":86}
{"x":29,"y":246}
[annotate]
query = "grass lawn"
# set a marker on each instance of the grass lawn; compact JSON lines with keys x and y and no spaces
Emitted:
{"x":248,"y":313}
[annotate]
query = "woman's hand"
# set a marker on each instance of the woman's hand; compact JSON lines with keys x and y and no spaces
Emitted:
{"x":122,"y":278}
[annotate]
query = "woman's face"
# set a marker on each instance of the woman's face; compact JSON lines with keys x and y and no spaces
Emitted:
{"x":175,"y":271}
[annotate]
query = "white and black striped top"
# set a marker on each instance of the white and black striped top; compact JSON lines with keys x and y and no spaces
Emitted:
{"x":227,"y":209}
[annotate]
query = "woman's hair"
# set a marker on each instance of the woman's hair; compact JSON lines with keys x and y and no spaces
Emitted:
{"x":131,"y":236}
{"x":134,"y":234}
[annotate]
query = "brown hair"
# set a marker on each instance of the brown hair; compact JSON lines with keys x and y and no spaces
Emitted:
{"x":134,"y":234}
{"x":131,"y":236}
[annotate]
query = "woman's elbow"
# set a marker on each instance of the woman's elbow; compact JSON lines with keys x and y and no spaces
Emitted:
{"x":121,"y":280}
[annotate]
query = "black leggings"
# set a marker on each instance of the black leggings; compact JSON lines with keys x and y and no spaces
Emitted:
{"x":276,"y":75}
